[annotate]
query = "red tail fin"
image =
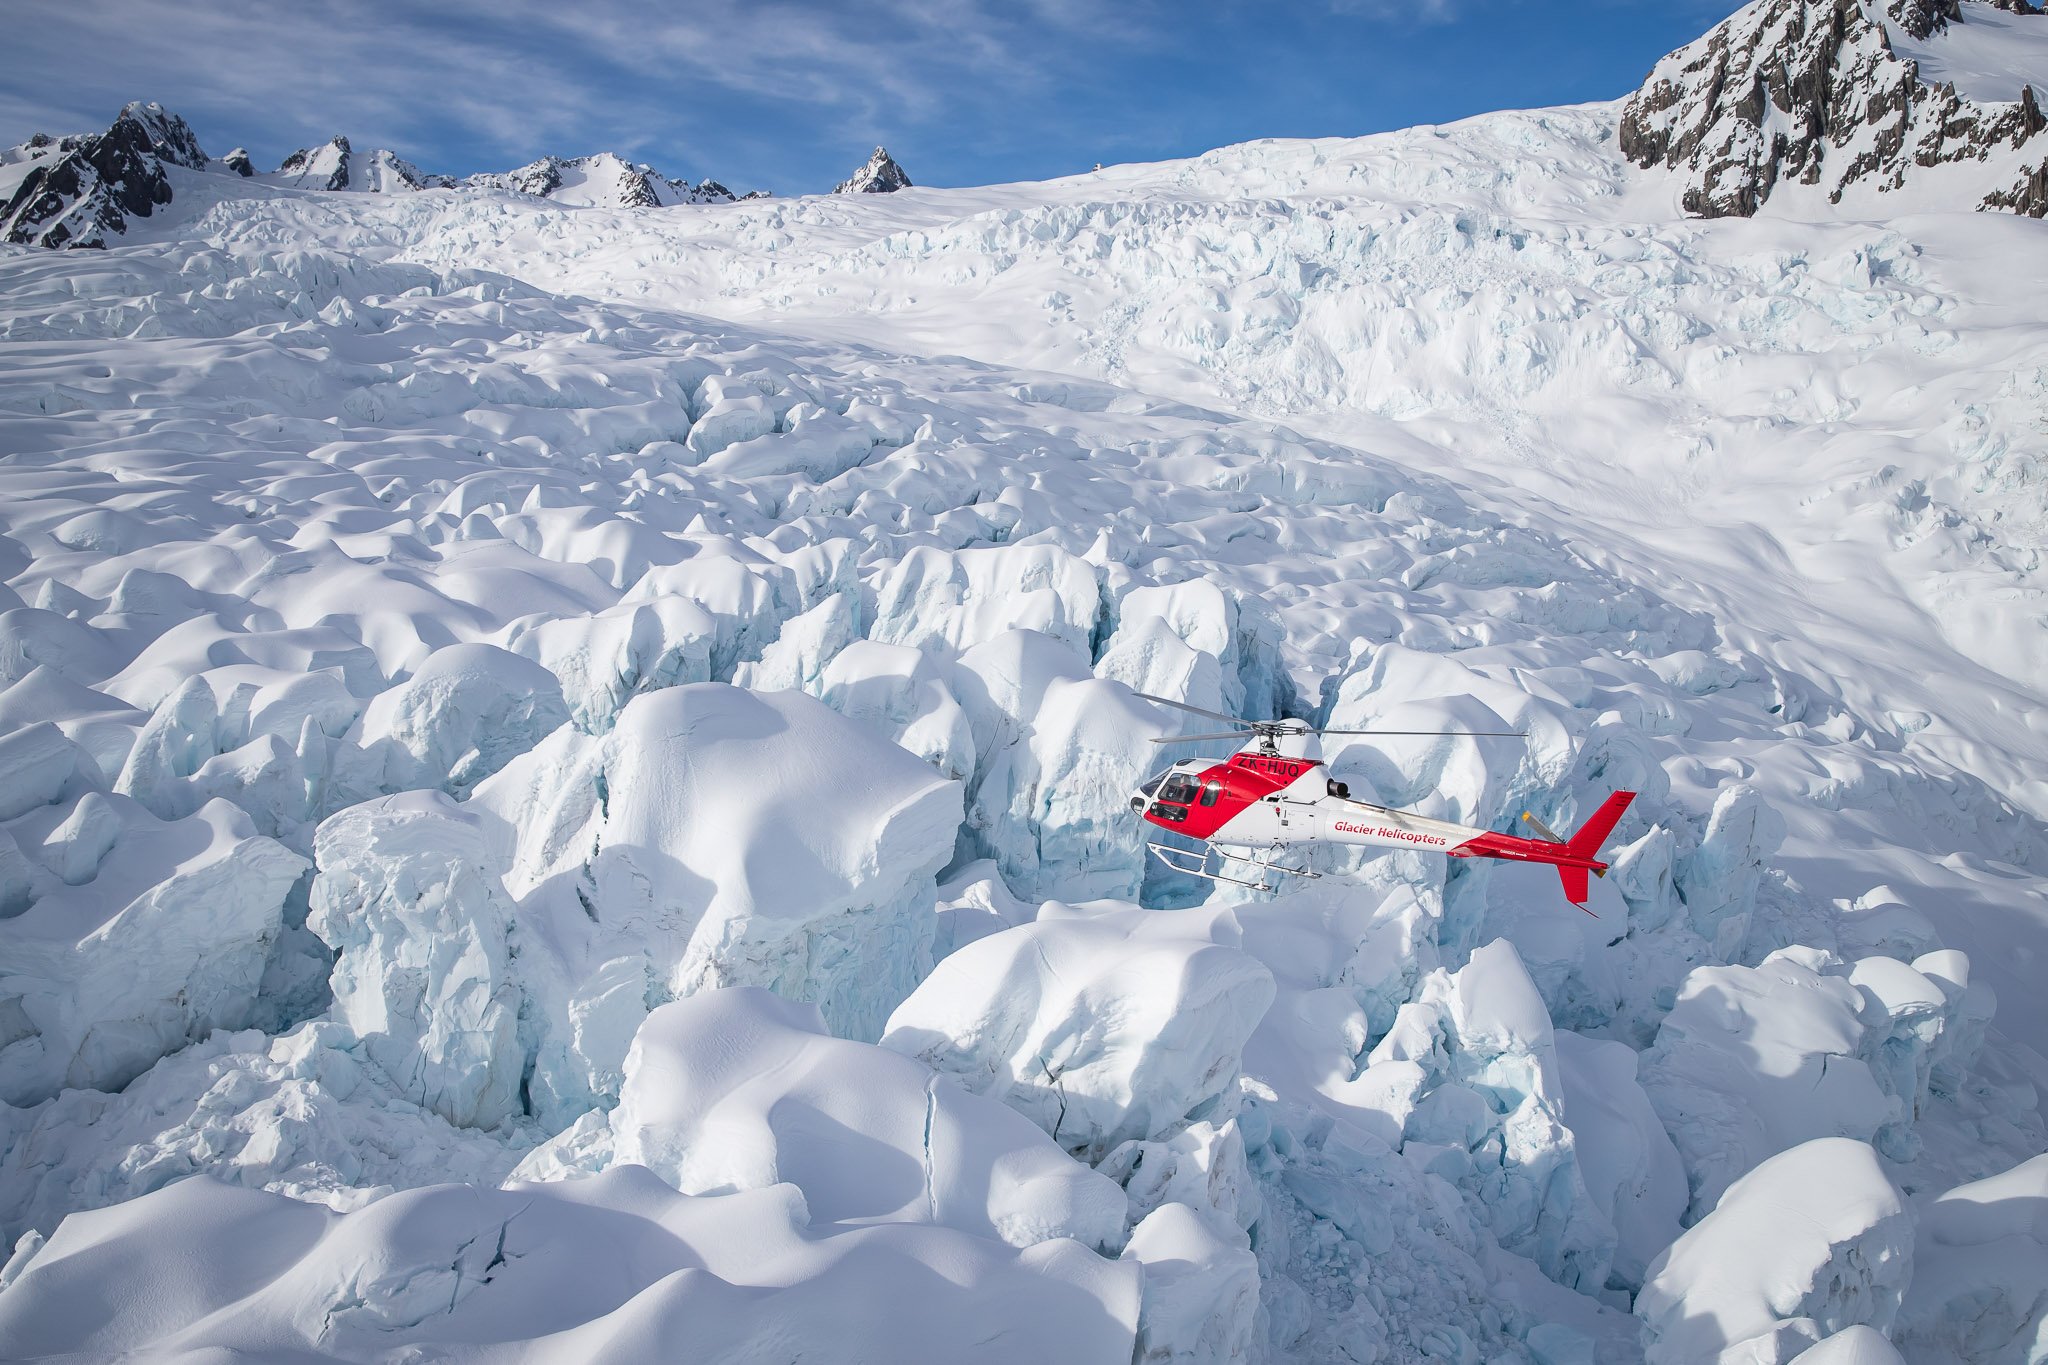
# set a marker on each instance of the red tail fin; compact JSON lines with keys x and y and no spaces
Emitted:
{"x":1575,"y":885}
{"x":1586,"y":842}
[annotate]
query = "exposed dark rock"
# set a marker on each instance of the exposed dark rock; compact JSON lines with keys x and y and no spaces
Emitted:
{"x":170,"y":137}
{"x":1810,"y":92}
{"x":238,"y":162}
{"x":1924,"y":18}
{"x":84,"y":189}
{"x":880,"y":176}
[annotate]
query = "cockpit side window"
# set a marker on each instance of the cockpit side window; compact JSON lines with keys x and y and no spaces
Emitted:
{"x":1211,"y":790}
{"x":1179,"y":789}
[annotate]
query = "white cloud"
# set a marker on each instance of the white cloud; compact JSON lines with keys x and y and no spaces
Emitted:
{"x":519,"y":76}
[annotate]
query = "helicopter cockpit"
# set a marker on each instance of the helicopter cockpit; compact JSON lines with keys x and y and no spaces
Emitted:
{"x":1166,"y":795}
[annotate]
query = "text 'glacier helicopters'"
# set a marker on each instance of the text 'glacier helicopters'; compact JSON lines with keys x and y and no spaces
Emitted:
{"x":1248,"y":808}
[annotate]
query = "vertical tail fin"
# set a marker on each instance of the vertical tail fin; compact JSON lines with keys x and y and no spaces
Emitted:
{"x":1586,"y":840}
{"x":1575,"y":886}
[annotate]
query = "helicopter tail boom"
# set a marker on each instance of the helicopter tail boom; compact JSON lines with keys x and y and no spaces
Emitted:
{"x":1573,"y":858}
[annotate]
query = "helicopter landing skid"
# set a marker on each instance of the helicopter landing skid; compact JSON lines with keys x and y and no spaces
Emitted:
{"x":1179,"y":860}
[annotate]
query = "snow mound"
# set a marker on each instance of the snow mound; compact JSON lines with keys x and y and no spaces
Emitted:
{"x":298,"y":1114}
{"x":463,"y":714}
{"x":712,"y":837}
{"x":1980,"y":1271}
{"x":1101,"y":1025}
{"x":740,"y":1090}
{"x":602,"y":661}
{"x":902,"y":692}
{"x":1853,"y":1345}
{"x":960,"y":599}
{"x":1754,"y":1060}
{"x":1201,"y":1293}
{"x":133,"y":938}
{"x":617,"y":1267}
{"x":1811,"y":1241}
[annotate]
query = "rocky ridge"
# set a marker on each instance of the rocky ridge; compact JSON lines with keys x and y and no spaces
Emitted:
{"x":881,"y":175}
{"x":605,"y":178}
{"x":82,"y":190}
{"x":74,"y":191}
{"x":1814,"y":93}
{"x":335,"y":165}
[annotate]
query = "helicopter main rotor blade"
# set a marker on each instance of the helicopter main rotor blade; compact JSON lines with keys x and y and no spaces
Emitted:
{"x":1495,"y":734}
{"x":1191,"y":739}
{"x":1212,"y":715}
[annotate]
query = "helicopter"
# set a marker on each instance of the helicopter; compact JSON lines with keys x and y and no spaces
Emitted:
{"x":1249,"y":808}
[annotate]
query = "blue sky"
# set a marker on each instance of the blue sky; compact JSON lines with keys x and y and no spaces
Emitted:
{"x":791,"y":96}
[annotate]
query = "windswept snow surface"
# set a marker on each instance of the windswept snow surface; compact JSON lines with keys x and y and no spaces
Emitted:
{"x":460,"y":654}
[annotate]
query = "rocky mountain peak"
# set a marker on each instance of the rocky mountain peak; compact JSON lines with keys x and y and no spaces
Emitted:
{"x":1813,"y":93}
{"x":79,"y":190}
{"x":170,"y":137}
{"x":881,"y":175}
{"x":336,"y":165}
{"x":602,"y":180}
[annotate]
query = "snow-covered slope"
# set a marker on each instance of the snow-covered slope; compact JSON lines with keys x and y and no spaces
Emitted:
{"x":407,"y":601}
{"x":605,"y":180}
{"x":1887,"y":105}
{"x":335,"y":165}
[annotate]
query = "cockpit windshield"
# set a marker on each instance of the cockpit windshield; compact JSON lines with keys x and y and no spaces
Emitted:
{"x":1181,"y":789}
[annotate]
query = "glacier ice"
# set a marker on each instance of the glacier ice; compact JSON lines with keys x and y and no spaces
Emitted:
{"x":423,"y":976}
{"x":1980,"y":1271}
{"x":1102,"y":1024}
{"x":1810,"y":1241}
{"x":1201,"y":1293}
{"x":159,"y":940}
{"x":1469,"y":1071}
{"x":1734,"y":516}
{"x":299,"y":1114}
{"x":1753,"y":1060}
{"x":737,"y":1089}
{"x":616,"y":1267}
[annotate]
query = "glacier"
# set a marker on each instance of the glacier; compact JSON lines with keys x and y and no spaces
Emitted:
{"x":564,"y":766}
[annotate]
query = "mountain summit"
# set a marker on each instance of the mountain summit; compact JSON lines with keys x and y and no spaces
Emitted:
{"x":1852,"y":99}
{"x":74,"y":191}
{"x":82,"y":190}
{"x":880,"y":176}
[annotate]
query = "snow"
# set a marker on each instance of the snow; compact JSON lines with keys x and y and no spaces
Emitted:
{"x":1980,"y":1282}
{"x":1813,"y":1240}
{"x":1752,"y":1061}
{"x":1102,"y":1024}
{"x":736,"y":1089}
{"x":1991,"y":55}
{"x":491,"y":680}
{"x":157,"y":936}
{"x":615,"y":1267}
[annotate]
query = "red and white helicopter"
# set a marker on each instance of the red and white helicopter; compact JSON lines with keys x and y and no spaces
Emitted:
{"x":1260,"y":801}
